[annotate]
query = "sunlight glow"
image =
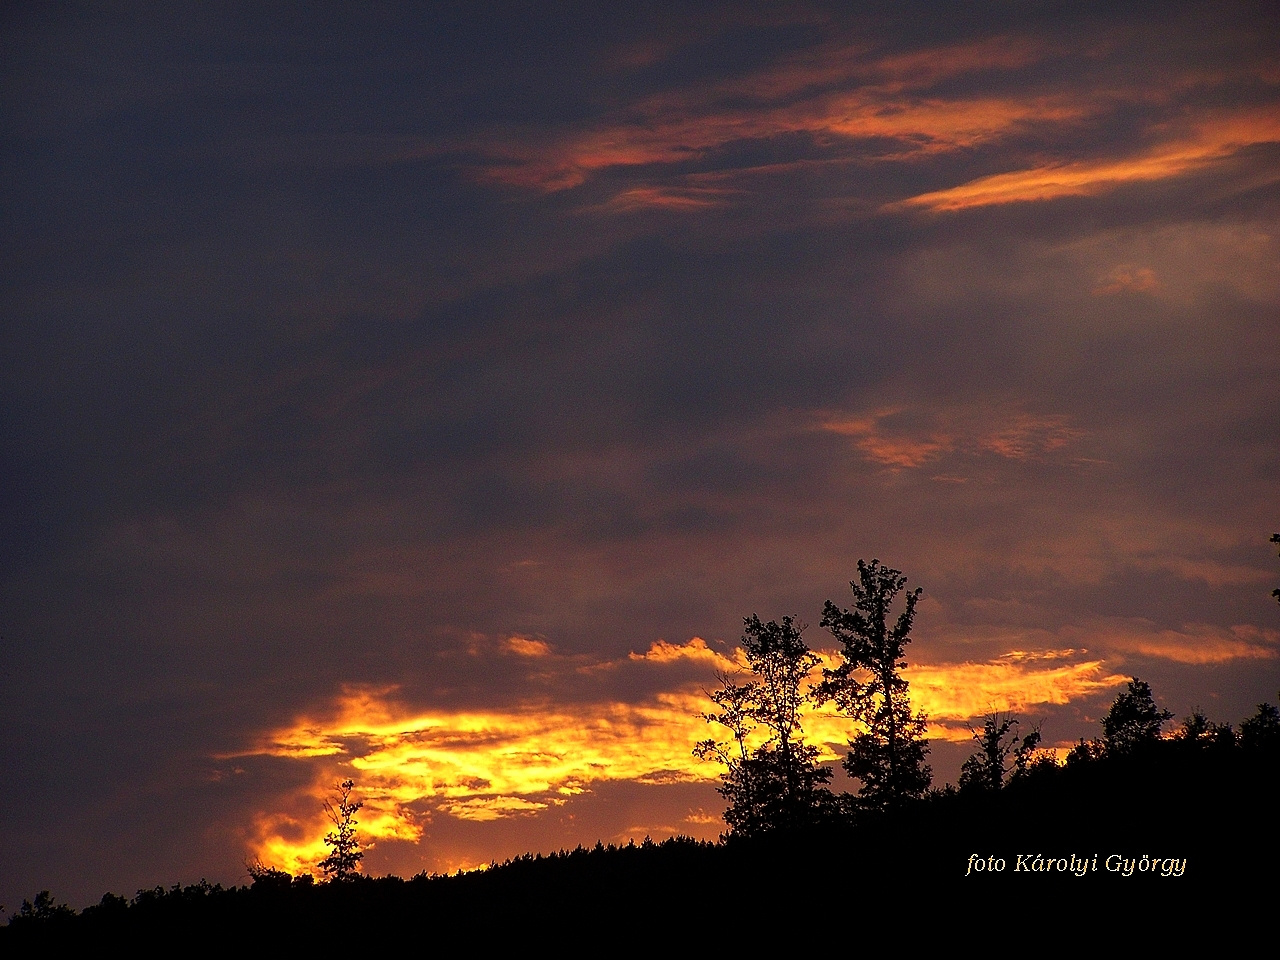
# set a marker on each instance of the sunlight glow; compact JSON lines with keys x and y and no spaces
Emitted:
{"x":412,"y":765}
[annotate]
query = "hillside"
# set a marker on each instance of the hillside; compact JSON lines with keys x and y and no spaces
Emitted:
{"x":1184,"y":825}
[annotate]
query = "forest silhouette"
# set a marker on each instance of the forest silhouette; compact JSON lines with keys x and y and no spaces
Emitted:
{"x":1136,"y":815}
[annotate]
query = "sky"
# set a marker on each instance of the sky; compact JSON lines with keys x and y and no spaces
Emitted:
{"x":426,"y":398}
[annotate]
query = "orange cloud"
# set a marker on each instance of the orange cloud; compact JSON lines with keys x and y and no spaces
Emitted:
{"x":1018,"y":437}
{"x":890,"y":451}
{"x":832,"y":94}
{"x":1016,"y":683}
{"x":1027,"y":436}
{"x":483,"y":765}
{"x":922,"y":127}
{"x":1213,"y":140}
{"x":483,"y":809}
{"x":528,"y":647}
{"x":696,"y":650}
{"x":412,"y":765}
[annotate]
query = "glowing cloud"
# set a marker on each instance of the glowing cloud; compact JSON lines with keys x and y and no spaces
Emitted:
{"x":528,"y":647}
{"x":696,"y":650}
{"x":838,"y":95}
{"x":1213,"y":141}
{"x":1015,"y":683}
{"x":484,"y":765}
{"x":524,"y":760}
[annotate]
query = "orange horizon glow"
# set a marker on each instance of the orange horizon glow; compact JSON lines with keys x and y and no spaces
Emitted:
{"x":412,"y":765}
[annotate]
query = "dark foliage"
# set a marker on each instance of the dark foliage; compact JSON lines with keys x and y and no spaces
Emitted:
{"x":777,"y":784}
{"x":1209,"y":809}
{"x":343,"y":861}
{"x":1200,"y":733}
{"x":1261,"y":732}
{"x":888,"y":757}
{"x":1133,"y":723}
{"x":1000,"y":753}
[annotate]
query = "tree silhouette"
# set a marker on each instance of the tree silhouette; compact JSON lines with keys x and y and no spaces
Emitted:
{"x":1262,"y":730}
{"x":888,"y":757}
{"x":1133,"y":722}
{"x":778,"y":782}
{"x":44,"y":910}
{"x":343,"y":861}
{"x":1000,"y":753}
{"x":1198,"y":731}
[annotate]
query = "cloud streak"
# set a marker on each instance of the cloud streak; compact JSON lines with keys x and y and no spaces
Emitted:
{"x":898,"y":438}
{"x":1215,"y":141}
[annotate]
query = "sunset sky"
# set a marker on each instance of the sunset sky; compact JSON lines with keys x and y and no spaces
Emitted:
{"x":426,"y":398}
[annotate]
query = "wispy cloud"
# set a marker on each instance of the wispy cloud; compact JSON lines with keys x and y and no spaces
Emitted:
{"x":1212,"y":141}
{"x":1019,"y":682}
{"x":849,"y":103}
{"x":1196,"y":644}
{"x":899,"y":438}
{"x":839,"y":98}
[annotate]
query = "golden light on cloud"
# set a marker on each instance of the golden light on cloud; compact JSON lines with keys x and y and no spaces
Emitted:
{"x":1212,"y":141}
{"x":528,"y":647}
{"x":1018,"y":682}
{"x":660,"y":651}
{"x":491,"y":808}
{"x":483,"y":765}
